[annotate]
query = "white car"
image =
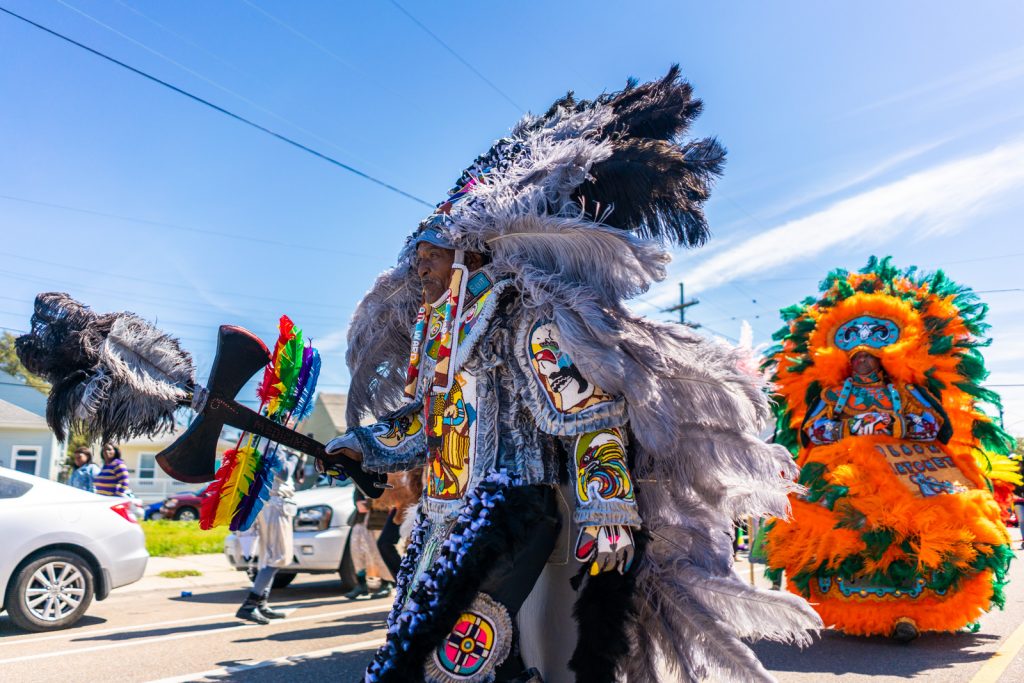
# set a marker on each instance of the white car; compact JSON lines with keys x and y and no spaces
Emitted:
{"x":320,"y":534}
{"x":62,"y":547}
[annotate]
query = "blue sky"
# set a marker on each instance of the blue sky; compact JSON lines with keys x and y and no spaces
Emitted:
{"x":852,"y":129}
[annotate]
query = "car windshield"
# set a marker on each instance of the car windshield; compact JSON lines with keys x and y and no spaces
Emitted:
{"x":12,"y":488}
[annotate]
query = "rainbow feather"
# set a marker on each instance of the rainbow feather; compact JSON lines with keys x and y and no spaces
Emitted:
{"x":211,"y":499}
{"x":287,"y":368}
{"x":242,"y":484}
{"x":259,"y":492}
{"x":307,"y":385}
{"x":269,"y":390}
{"x":232,"y":483}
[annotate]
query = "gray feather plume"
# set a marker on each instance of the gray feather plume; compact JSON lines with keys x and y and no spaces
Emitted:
{"x":114,"y":375}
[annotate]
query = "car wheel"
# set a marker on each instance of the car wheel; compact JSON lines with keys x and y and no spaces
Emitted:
{"x":186,"y":514}
{"x":51,"y":592}
{"x":346,"y":570}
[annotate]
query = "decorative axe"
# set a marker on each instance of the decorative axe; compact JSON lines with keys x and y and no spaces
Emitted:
{"x":117,"y":376}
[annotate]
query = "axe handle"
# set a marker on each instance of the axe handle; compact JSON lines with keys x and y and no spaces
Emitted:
{"x":235,"y":414}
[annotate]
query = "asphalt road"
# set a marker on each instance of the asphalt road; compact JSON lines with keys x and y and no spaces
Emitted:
{"x":157,"y":635}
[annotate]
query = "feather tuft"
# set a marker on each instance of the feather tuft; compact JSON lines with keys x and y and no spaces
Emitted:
{"x":113,"y":376}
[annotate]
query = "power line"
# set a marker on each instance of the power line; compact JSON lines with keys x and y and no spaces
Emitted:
{"x":162,"y":283}
{"x":201,"y":77}
{"x":184,"y":39}
{"x":173,"y":226}
{"x":457,"y":56}
{"x":222,"y":110}
{"x":186,"y":305}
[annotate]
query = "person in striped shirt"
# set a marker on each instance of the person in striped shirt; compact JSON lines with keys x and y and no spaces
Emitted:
{"x":113,"y":478}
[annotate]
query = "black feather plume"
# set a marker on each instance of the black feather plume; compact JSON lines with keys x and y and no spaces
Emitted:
{"x":650,"y":184}
{"x":112,"y":375}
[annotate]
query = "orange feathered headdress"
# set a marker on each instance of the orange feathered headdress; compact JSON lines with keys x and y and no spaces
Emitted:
{"x":925,"y":329}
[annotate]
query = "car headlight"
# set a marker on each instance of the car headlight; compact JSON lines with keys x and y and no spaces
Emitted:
{"x":312,"y":518}
{"x":171,"y":503}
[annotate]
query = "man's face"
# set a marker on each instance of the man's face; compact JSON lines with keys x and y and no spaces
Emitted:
{"x":434,"y":266}
{"x":864,"y":363}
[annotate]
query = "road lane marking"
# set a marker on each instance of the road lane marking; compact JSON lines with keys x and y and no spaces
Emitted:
{"x":1001,"y":659}
{"x":287,"y":659}
{"x":178,"y":636}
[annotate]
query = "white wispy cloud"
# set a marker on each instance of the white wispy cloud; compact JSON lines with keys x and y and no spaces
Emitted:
{"x":958,"y":86}
{"x":930,"y":202}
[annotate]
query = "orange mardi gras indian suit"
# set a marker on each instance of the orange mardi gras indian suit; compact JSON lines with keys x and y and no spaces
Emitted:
{"x":879,"y":389}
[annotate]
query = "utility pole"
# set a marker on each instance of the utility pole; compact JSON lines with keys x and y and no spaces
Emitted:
{"x":683,"y":305}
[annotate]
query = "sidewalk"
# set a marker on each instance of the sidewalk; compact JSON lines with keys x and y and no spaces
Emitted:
{"x":214,"y":568}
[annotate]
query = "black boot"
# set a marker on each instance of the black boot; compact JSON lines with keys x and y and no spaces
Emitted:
{"x":905,"y":630}
{"x":250,"y":610}
{"x":267,"y":611}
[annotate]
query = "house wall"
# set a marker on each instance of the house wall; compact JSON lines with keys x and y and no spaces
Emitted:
{"x":319,"y":424}
{"x":47,"y":463}
{"x":150,"y":483}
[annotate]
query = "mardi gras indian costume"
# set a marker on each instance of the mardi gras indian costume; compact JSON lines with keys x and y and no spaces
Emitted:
{"x":898,"y":531}
{"x":560,"y":432}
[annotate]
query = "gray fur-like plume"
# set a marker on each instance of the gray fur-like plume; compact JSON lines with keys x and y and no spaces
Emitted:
{"x":112,"y":375}
{"x":378,"y":344}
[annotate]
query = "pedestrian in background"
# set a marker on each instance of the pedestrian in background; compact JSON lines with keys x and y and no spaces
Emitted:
{"x":405,"y":492}
{"x":84,"y":475}
{"x":375,"y":579}
{"x":112,"y":479}
{"x":274,"y":543}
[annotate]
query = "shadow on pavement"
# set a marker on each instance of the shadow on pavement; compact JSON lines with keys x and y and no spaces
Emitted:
{"x":840,"y":654}
{"x":135,"y":635}
{"x":344,"y":627}
{"x":9,"y":630}
{"x":347,"y":666}
{"x":234,"y":596}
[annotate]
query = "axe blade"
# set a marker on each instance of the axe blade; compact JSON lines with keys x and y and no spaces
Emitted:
{"x":193,"y":455}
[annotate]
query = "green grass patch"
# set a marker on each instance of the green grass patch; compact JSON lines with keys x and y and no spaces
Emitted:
{"x":167,"y":538}
{"x":179,"y":573}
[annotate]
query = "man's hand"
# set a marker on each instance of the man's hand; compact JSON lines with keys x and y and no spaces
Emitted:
{"x":335,"y":449}
{"x":362,"y":507}
{"x":606,"y":548}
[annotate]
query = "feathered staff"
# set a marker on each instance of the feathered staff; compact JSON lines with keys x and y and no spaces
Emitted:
{"x":114,"y":376}
{"x":242,"y":484}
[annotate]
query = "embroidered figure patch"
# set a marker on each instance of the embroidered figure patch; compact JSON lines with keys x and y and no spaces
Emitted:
{"x":477,"y":644}
{"x":566,"y":388}
{"x":451,"y":430}
{"x":601,"y":471}
{"x":391,"y":433}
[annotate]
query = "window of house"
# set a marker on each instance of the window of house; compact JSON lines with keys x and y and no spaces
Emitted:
{"x":26,"y":459}
{"x":147,"y":466}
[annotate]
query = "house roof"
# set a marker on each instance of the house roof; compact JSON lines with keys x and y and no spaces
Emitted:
{"x":11,"y":416}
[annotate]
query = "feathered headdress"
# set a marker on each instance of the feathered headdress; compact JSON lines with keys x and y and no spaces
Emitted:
{"x":576,"y":208}
{"x":575,"y":195}
{"x":925,"y":328}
